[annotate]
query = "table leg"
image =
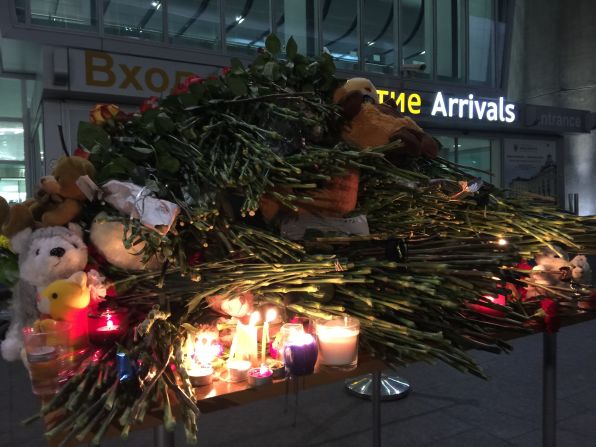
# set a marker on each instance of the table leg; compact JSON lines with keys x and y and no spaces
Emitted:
{"x":549,"y":390}
{"x":376,"y":409}
{"x":162,"y":437}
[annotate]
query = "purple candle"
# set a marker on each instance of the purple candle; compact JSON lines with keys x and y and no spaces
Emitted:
{"x":300,"y":354}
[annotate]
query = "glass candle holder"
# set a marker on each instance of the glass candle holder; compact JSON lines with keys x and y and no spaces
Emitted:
{"x":300,"y":354}
{"x":286,"y":332}
{"x":49,"y":356}
{"x":107,"y":325}
{"x":338,"y":342}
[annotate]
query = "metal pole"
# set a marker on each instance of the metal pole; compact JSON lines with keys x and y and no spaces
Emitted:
{"x":549,"y":390}
{"x":376,"y":409}
{"x":163,"y":438}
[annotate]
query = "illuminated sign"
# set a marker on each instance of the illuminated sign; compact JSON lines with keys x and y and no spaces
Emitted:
{"x":453,"y":107}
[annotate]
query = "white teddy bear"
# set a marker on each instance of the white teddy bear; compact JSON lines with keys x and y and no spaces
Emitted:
{"x":580,"y":270}
{"x":45,"y":255}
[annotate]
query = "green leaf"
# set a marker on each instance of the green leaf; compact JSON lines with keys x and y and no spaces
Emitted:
{"x":187,"y":99}
{"x":168,"y":163}
{"x":164,"y":123}
{"x":271,"y":70}
{"x":291,"y":48}
{"x":92,"y":137}
{"x":238,"y":86}
{"x":198,"y":91}
{"x":236,"y":66}
{"x":142,"y":150}
{"x":273,"y":44}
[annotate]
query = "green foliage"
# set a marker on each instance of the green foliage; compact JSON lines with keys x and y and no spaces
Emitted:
{"x":9,"y":268}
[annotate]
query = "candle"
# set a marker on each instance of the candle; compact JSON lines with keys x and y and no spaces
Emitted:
{"x":338,"y":342}
{"x":300,"y":354}
{"x":277,"y":368}
{"x":200,"y":376}
{"x":238,"y":370}
{"x":244,"y":344}
{"x":500,"y":299}
{"x":260,"y":376}
{"x":270,"y":316}
{"x":107,"y":326}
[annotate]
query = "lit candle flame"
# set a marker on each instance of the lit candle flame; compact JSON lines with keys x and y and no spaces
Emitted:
{"x":254,"y":318}
{"x":271,"y":315}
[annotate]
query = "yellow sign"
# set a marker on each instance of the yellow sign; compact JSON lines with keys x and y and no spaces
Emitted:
{"x":406,"y":103}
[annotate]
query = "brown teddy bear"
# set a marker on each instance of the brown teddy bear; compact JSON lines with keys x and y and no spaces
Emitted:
{"x":369,"y":124}
{"x":58,"y":201}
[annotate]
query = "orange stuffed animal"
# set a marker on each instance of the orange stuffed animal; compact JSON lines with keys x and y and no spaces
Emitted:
{"x":370,"y":124}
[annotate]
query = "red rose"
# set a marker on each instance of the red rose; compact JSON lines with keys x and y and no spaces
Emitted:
{"x":193,"y":79}
{"x":523,"y":265}
{"x":195,"y":259}
{"x":179,"y":89}
{"x":80,"y":152}
{"x":149,"y":104}
{"x":226,"y":70}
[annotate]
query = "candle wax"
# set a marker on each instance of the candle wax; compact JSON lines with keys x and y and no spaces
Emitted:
{"x":108,"y":328}
{"x":338,"y":345}
{"x":260,"y":372}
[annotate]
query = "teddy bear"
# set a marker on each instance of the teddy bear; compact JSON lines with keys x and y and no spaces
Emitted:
{"x":581,"y":271}
{"x":370,"y":124}
{"x":44,"y":255}
{"x":554,"y":269}
{"x":107,"y":235}
{"x":58,"y":201}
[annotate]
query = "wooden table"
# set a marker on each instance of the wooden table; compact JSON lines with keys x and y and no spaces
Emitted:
{"x":221,"y":395}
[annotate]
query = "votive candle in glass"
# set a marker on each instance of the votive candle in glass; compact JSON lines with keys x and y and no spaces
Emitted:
{"x":300,"y":354}
{"x":338,"y":342}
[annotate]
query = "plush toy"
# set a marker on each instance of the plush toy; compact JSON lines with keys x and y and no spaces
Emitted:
{"x":63,"y":298}
{"x":370,"y":124}
{"x":45,"y":255}
{"x":581,"y":270}
{"x":58,"y":201}
{"x":107,"y":237}
{"x":67,"y":300}
{"x":336,"y":198}
{"x":554,"y":269}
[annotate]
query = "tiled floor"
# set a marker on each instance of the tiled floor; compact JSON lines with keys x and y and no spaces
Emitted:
{"x":445,"y":409}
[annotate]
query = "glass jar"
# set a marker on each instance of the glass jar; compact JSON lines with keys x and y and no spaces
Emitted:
{"x":49,"y":353}
{"x":338,"y":342}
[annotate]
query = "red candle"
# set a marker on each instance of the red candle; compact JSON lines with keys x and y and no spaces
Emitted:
{"x":107,"y":326}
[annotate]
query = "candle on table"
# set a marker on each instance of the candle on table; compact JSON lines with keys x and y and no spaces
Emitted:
{"x":338,"y":341}
{"x":260,"y":376}
{"x":300,"y":354}
{"x":270,"y":316}
{"x":238,"y":370}
{"x":200,"y":375}
{"x":107,"y":326}
{"x":244,"y":344}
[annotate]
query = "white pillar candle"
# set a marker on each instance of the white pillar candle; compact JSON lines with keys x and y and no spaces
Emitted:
{"x":338,"y":341}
